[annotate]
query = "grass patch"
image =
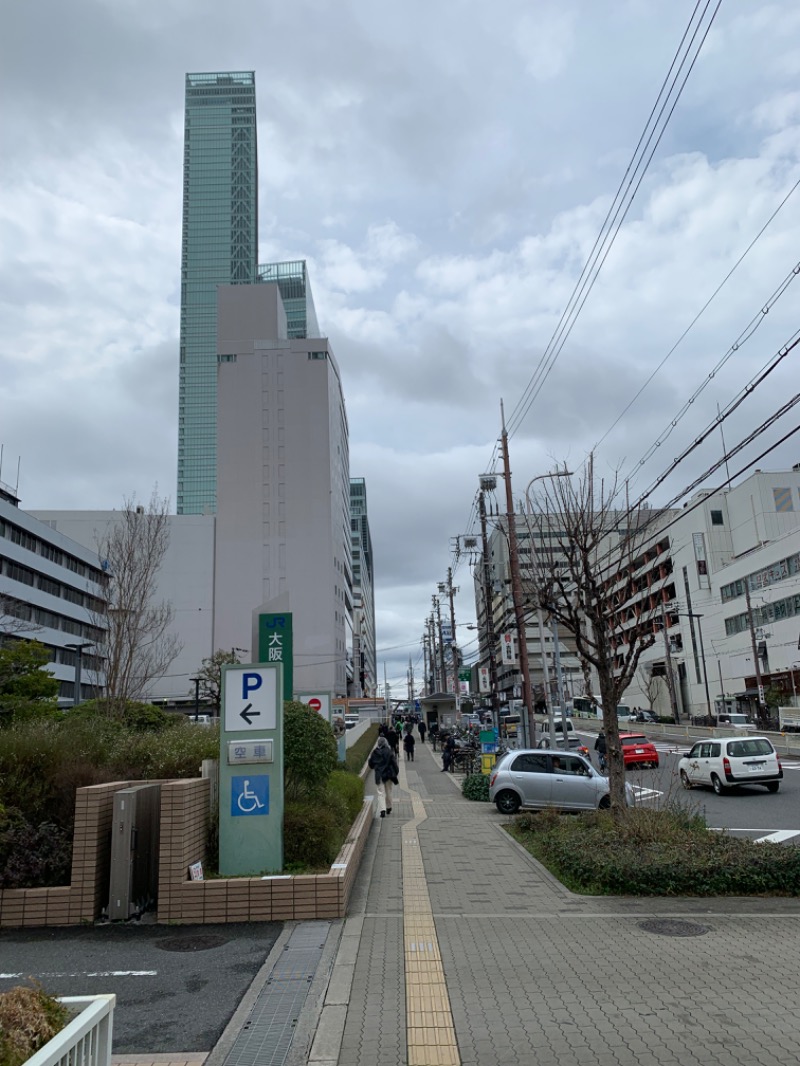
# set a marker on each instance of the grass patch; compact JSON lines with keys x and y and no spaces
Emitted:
{"x":358,"y":753}
{"x":29,"y":1017}
{"x":655,"y":853}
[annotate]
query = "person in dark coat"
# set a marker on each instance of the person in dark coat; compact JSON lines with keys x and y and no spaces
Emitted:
{"x":422,"y":727}
{"x":394,"y":740}
{"x":601,"y":747}
{"x":448,"y":751}
{"x":408,"y":746}
{"x":383,"y":762}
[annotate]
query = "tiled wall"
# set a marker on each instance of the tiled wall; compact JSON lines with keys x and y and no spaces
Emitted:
{"x":184,"y":822}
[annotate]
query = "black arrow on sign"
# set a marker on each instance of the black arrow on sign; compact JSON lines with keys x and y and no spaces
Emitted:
{"x":248,"y":715}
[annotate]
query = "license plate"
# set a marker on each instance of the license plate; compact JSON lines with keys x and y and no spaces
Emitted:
{"x":639,"y":751}
{"x":759,"y":769}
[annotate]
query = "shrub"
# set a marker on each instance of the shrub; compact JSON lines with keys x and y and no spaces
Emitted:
{"x":309,"y":751}
{"x":33,"y":856}
{"x":351,"y":789}
{"x":28,"y":1019}
{"x":476,"y":787}
{"x":358,"y":753}
{"x":312,"y":833}
{"x":656,"y":853}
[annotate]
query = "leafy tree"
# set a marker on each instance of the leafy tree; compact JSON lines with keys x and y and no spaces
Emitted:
{"x":25,"y":685}
{"x":309,"y":751}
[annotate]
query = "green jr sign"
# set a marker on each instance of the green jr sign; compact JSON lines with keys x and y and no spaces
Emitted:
{"x":275,"y":645}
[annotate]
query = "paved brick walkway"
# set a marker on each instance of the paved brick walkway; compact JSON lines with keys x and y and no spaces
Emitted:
{"x":537,"y":975}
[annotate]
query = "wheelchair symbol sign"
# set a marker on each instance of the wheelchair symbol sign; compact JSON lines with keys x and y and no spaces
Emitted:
{"x":250,"y":795}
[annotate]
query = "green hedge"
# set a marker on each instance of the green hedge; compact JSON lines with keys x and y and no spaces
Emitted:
{"x":476,"y":787}
{"x":655,"y":853}
{"x":358,"y":753}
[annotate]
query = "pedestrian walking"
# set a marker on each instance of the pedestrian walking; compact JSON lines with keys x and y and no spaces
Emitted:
{"x":383,"y":762}
{"x":422,"y":727}
{"x":394,"y":740}
{"x":408,"y":746}
{"x":448,"y":751}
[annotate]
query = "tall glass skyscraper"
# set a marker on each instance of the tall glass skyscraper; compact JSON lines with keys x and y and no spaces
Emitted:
{"x":219,"y":246}
{"x":295,"y":289}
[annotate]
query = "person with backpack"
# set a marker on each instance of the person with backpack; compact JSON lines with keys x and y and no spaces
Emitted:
{"x":383,"y":762}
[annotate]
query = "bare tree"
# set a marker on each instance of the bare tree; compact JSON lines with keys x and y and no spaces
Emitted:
{"x":586,"y":580}
{"x":138,"y":647}
{"x":649,"y":683}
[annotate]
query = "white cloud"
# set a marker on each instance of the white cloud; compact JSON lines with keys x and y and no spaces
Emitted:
{"x":446,"y":178}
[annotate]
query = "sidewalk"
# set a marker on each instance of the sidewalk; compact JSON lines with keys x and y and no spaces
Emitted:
{"x":461,"y":949}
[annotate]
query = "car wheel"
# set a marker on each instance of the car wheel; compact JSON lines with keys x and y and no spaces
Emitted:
{"x":604,"y":803}
{"x":687,"y":784}
{"x":773,"y":786}
{"x":507,"y":802}
{"x":717,"y":785}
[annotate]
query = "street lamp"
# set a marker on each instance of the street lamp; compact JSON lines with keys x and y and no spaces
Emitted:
{"x":78,"y":649}
{"x":691,"y":614}
{"x":551,"y":725}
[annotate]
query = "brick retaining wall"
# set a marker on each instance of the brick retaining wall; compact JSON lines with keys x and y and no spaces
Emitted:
{"x":184,"y":825}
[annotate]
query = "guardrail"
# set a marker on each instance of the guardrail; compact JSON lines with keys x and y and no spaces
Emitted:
{"x":784,"y":743}
{"x":86,"y":1040}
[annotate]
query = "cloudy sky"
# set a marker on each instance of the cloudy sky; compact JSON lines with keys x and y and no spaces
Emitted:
{"x":445,"y":167}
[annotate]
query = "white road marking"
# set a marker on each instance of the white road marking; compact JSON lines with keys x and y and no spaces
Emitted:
{"x":85,"y":973}
{"x":779,"y":836}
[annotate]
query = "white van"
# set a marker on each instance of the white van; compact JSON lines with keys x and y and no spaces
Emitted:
{"x":559,"y":725}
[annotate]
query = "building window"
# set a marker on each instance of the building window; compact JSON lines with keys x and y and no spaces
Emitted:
{"x":717,"y":519}
{"x":317,"y":355}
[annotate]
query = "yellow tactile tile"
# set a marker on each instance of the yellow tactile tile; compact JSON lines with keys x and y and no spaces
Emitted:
{"x":430,"y":1032}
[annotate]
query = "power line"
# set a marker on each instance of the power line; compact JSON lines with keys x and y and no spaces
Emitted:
{"x":620,"y":206}
{"x":699,"y":314}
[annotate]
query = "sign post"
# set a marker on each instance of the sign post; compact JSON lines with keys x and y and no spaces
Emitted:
{"x":321,"y":702}
{"x":251,"y":770}
{"x":276,"y":645}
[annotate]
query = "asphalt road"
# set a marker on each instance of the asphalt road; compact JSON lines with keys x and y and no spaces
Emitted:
{"x":176,"y":986}
{"x":749,"y":811}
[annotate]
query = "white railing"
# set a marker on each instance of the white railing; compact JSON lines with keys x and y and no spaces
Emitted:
{"x":86,"y":1041}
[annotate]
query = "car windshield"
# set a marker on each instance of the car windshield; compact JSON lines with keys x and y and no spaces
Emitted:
{"x":631,"y":741}
{"x":752,"y":746}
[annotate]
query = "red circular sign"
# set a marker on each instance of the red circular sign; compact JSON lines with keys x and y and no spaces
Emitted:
{"x":315,"y":704}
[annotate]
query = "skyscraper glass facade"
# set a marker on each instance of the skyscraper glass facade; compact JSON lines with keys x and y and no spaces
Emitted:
{"x":219,"y":246}
{"x":295,"y":290}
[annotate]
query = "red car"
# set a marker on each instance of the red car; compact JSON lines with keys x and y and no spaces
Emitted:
{"x":637,"y":750}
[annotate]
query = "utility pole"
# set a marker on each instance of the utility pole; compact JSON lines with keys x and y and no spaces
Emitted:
{"x":410,"y":684}
{"x":443,"y":668}
{"x":516,"y":588}
{"x":673,"y":699}
{"x":450,"y":591}
{"x":761,"y":712}
{"x":488,"y":599}
{"x":433,"y":660}
{"x":196,"y":697}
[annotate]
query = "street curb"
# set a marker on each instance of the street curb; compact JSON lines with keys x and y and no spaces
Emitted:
{"x":541,"y":869}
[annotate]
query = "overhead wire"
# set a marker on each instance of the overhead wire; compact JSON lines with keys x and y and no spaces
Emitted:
{"x":699,"y":315}
{"x":618,"y":210}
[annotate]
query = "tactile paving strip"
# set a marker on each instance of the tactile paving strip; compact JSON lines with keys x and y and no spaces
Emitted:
{"x":267,"y":1034}
{"x":430,"y":1031}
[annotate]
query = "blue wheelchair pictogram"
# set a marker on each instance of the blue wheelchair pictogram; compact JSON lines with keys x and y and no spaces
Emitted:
{"x":250,"y":795}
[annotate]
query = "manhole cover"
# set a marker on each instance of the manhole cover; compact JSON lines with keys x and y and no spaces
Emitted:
{"x":672,"y":927}
{"x":191,"y":943}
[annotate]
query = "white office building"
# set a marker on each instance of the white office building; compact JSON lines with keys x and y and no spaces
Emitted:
{"x":53,"y":590}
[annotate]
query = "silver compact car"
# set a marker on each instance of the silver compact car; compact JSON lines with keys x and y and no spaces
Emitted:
{"x":537,"y":779}
{"x":730,"y":762}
